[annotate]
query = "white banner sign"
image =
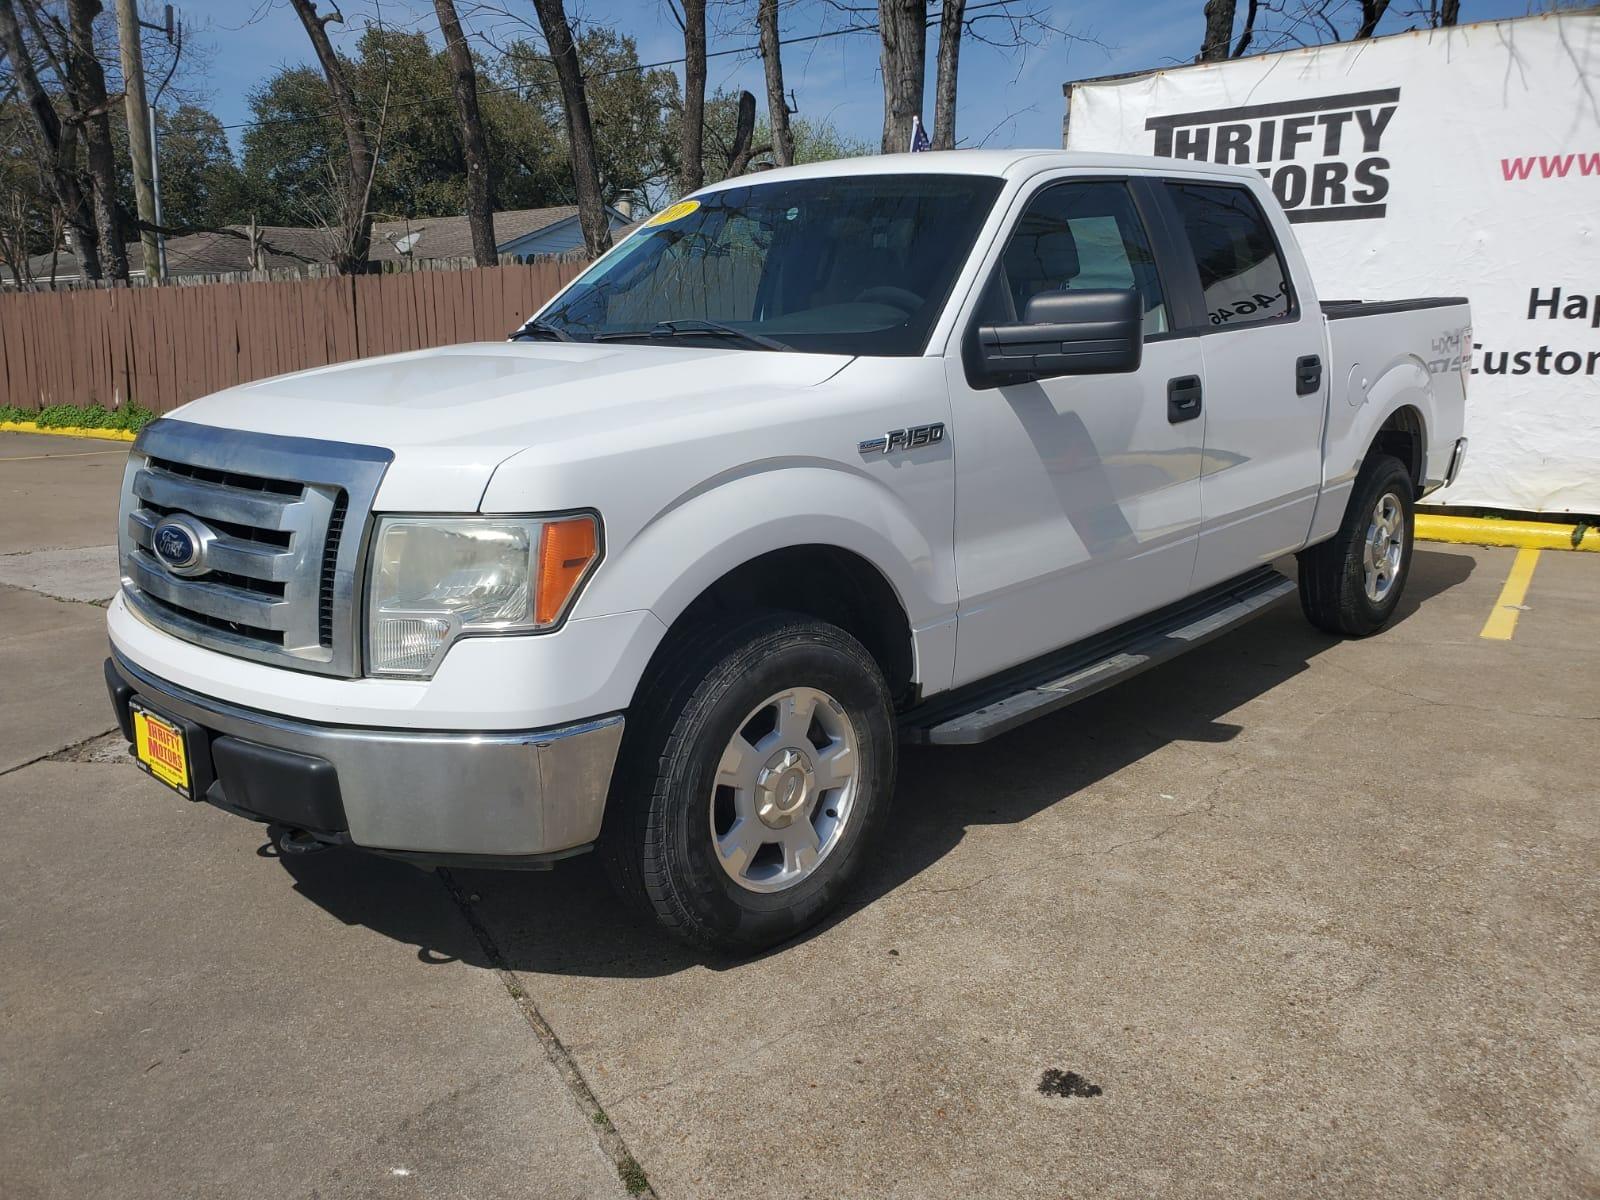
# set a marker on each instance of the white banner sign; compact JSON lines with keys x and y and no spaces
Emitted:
{"x":1461,"y":162}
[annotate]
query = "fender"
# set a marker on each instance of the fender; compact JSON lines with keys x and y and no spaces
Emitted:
{"x":1401,"y":383}
{"x":701,"y":536}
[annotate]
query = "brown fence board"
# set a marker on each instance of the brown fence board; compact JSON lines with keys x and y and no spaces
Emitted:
{"x":162,"y":347}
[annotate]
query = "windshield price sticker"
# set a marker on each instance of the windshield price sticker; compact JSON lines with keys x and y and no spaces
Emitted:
{"x":675,"y":212}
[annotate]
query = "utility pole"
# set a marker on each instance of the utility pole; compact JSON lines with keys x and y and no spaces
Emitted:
{"x":155,"y":188}
{"x":140,"y":130}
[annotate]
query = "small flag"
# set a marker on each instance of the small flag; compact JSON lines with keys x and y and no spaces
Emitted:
{"x":919,"y":136}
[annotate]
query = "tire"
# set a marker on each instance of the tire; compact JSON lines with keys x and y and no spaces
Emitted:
{"x":708,"y":835}
{"x":1340,"y":589}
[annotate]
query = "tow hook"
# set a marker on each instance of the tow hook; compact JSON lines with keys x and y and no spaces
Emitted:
{"x":298,"y":841}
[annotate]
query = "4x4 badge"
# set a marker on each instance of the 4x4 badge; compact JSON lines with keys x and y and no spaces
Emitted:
{"x":903,"y":439}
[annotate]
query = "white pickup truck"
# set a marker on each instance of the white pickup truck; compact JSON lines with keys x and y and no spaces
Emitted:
{"x":912,"y":448}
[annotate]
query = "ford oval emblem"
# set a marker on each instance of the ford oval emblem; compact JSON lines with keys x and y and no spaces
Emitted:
{"x":177,"y":544}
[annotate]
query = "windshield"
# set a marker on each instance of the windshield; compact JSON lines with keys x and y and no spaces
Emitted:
{"x":854,"y":265}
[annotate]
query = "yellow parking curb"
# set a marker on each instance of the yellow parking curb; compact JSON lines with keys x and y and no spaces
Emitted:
{"x":1497,"y":531}
{"x":115,"y":435}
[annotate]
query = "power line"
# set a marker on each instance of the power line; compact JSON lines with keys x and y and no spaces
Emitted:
{"x":440,"y":98}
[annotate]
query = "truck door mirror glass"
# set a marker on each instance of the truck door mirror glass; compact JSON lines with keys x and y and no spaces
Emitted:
{"x":1066,"y":333}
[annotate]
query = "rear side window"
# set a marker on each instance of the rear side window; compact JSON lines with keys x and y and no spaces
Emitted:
{"x":1242,"y":275}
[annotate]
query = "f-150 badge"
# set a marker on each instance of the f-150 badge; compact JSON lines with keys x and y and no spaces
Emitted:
{"x":904,"y":439}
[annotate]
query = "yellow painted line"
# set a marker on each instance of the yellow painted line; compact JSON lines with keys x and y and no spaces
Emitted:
{"x":1495,"y":531}
{"x":113,"y":435}
{"x":1502,"y":622}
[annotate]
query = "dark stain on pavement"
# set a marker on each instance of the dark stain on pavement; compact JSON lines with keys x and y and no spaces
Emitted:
{"x":1068,"y":1085}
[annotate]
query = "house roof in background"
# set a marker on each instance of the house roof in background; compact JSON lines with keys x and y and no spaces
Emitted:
{"x":292,"y":245}
{"x":451,"y":236}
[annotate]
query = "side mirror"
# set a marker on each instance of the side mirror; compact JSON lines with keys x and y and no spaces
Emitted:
{"x":1066,"y":333}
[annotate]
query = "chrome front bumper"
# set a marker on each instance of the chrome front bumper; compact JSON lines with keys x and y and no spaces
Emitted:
{"x":500,"y":795}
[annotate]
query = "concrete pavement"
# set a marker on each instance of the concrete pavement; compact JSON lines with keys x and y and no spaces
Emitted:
{"x":1314,"y":917}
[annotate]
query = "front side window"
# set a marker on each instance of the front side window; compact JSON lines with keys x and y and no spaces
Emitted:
{"x":850,"y":265}
{"x":1076,"y":237}
{"x":1242,"y":276}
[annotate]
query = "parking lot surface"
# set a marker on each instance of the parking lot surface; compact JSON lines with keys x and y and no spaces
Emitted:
{"x":1290,"y":916}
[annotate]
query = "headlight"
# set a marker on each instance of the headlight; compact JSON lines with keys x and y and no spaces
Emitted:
{"x":433,"y":579}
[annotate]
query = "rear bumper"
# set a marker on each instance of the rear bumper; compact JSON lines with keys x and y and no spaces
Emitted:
{"x":1457,"y":457}
{"x":495,"y":797}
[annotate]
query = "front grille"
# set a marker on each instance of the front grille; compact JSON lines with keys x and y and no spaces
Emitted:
{"x":330,"y":560}
{"x":276,"y":577}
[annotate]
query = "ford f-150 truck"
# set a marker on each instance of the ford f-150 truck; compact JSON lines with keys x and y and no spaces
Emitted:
{"x":912,"y":448}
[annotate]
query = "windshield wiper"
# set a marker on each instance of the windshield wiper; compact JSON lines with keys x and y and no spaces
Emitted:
{"x":538,"y":328}
{"x":695,"y":327}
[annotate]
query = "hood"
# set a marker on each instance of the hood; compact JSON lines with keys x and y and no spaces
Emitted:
{"x":451,"y":415}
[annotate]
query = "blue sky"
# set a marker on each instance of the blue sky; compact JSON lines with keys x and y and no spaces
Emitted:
{"x":1006,"y":98}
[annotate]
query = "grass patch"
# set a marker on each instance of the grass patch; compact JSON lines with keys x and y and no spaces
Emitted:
{"x":633,"y":1176}
{"x":130,"y":418}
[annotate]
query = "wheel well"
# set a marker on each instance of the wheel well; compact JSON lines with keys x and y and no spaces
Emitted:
{"x":1403,"y":436}
{"x":825,"y":582}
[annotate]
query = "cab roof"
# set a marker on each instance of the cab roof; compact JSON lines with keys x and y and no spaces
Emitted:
{"x":1002,"y":164}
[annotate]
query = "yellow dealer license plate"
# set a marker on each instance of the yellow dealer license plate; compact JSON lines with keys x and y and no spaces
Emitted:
{"x":159,"y":746}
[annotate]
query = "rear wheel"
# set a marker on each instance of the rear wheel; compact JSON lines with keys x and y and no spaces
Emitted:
{"x":757,"y":769}
{"x":1351,"y":583}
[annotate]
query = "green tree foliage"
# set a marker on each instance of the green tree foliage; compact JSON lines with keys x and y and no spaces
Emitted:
{"x":201,"y":185}
{"x":293,"y":151}
{"x":629,"y":108}
{"x":29,"y":223}
{"x":200,"y":182}
{"x":814,"y":141}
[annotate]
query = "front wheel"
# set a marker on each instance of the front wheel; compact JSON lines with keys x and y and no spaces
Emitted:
{"x":1351,"y":583}
{"x":759,"y":766}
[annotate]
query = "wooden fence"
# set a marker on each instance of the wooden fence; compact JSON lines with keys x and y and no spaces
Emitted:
{"x":161,"y":347}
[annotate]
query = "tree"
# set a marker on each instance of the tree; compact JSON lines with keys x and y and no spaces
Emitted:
{"x":944,"y":91}
{"x":902,"y":32}
{"x":352,"y":218}
{"x":691,"y":129}
{"x":138,"y":131}
{"x":814,"y":141}
{"x":772,"y":68}
{"x":1214,"y":47}
{"x":30,"y":220}
{"x":464,"y":87}
{"x":54,"y":140}
{"x":86,"y":84}
{"x":580,"y":133}
{"x":201,"y":185}
{"x":1269,"y":24}
{"x":633,"y":115}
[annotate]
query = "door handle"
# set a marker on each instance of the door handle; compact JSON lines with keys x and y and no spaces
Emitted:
{"x":1183,"y":398}
{"x":1307,"y":374}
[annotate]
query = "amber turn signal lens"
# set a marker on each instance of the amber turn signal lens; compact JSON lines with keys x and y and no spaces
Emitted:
{"x":567,"y":548}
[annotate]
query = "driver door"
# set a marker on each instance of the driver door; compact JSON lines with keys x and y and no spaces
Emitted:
{"x":1078,"y":497}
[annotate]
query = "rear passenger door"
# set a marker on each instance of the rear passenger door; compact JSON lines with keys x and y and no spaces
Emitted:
{"x":1265,"y":395}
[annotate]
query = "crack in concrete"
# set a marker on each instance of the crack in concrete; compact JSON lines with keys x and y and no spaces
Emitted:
{"x":629,"y":1172}
{"x":61,"y":754}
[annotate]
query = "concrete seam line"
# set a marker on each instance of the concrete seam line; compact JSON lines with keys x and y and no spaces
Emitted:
{"x":1493,"y":531}
{"x":59,"y":754}
{"x":627,"y":1166}
{"x":114,"y":435}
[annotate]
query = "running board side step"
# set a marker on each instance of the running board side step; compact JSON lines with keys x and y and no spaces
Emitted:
{"x":989,"y":708}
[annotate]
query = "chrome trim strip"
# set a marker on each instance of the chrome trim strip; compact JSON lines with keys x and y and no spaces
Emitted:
{"x":225,"y":552}
{"x":219,"y":600}
{"x":264,"y":510}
